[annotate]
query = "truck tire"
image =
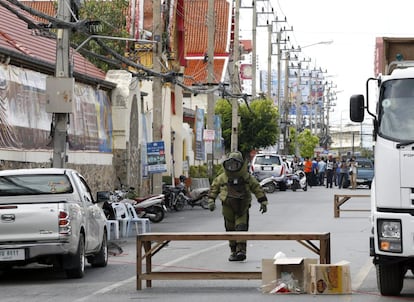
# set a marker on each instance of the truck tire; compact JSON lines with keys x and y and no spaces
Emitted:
{"x":78,"y":268}
{"x":390,"y":278}
{"x":101,"y":258}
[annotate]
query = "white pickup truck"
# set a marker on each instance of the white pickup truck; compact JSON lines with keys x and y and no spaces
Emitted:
{"x":49,"y":216}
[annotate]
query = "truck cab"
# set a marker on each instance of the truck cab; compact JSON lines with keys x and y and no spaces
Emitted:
{"x":392,"y":190}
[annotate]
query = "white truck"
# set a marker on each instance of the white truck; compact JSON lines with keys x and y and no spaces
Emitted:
{"x":392,"y":190}
{"x":48,"y":216}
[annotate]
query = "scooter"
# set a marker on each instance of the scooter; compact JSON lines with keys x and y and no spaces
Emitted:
{"x":297,"y":181}
{"x":198,"y":197}
{"x":271,"y":183}
{"x":152,"y":207}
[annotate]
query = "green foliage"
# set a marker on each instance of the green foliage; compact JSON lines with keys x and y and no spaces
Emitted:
{"x":293,"y":136}
{"x":258,"y":126}
{"x":307,"y":143}
{"x":112,"y":16}
{"x":201,"y":171}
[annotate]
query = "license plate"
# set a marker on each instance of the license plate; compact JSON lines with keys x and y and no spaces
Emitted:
{"x":267,"y":168}
{"x":11,"y":254}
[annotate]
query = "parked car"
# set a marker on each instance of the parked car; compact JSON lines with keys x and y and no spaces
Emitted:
{"x":265,"y":165}
{"x":365,"y":172}
{"x":49,"y":216}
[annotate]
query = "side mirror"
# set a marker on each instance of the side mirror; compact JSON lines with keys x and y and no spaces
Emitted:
{"x":356,"y":108}
{"x":103,"y":196}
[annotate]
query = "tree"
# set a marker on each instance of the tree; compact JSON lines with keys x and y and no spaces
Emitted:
{"x":112,"y":20}
{"x":307,"y":143}
{"x":258,"y":124}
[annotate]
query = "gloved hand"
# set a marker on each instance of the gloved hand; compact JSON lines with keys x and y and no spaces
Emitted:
{"x":211,"y":205}
{"x":263,"y":207}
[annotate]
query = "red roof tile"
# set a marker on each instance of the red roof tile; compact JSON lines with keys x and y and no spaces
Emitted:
{"x":20,"y":40}
{"x":196,"y":33}
{"x":196,"y":71}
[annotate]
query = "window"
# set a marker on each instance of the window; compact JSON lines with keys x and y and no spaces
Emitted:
{"x":13,"y":185}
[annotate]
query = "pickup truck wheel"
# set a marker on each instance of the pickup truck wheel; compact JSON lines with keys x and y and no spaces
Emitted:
{"x":78,"y":270}
{"x":101,"y":258}
{"x":390,"y":278}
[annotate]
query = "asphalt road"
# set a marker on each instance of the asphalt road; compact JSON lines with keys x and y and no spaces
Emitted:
{"x":287,"y":211}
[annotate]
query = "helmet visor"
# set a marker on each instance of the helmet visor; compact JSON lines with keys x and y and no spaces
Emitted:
{"x":232,"y":164}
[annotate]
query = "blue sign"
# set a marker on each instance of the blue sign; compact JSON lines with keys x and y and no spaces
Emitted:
{"x":156,"y":157}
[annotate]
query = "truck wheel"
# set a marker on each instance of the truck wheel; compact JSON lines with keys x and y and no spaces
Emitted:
{"x":390,"y":279}
{"x":78,"y":270}
{"x":269,"y":187}
{"x":101,"y":258}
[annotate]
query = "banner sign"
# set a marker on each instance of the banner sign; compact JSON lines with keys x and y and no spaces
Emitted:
{"x":156,"y":157}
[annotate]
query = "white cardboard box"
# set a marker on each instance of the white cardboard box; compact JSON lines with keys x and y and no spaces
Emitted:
{"x":275,"y":271}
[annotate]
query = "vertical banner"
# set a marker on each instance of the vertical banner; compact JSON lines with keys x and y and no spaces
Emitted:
{"x":199,"y":128}
{"x":156,"y":157}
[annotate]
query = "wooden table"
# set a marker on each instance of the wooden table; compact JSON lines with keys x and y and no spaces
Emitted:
{"x":148,"y":244}
{"x":340,"y":199}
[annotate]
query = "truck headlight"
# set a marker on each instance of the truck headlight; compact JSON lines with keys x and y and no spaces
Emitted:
{"x":389,"y":235}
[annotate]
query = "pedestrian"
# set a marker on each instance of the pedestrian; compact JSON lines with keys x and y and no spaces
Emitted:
{"x":353,"y":165}
{"x":343,"y":176}
{"x":330,"y":171}
{"x":321,"y":171}
{"x":234,"y":187}
{"x":314,"y":174}
{"x":307,"y":168}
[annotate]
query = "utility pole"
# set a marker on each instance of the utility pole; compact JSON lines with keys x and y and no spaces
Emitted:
{"x":235,"y":84}
{"x":211,"y":26}
{"x":254,"y":67}
{"x":269,"y":60}
{"x":157,"y":89}
{"x":60,"y":89}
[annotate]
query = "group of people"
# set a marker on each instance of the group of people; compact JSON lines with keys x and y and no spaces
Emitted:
{"x":330,"y":171}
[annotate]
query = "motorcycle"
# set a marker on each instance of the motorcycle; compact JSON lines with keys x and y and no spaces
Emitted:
{"x":297,"y":181}
{"x":175,"y":198}
{"x":271,"y":183}
{"x":152,"y":207}
{"x":198,"y":197}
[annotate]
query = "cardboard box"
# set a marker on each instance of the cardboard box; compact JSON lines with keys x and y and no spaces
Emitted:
{"x":330,"y":278}
{"x":293,"y":272}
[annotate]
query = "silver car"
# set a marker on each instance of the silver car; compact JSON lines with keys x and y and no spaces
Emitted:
{"x":265,"y":165}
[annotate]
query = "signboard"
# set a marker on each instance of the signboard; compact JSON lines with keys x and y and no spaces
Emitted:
{"x":208,"y":135}
{"x":156,"y":157}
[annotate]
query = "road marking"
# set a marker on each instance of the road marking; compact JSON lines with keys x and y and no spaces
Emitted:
{"x":361,"y":275}
{"x":133,"y":278}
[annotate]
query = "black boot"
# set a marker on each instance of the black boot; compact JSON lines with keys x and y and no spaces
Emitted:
{"x":241,"y":255}
{"x":233,"y":253}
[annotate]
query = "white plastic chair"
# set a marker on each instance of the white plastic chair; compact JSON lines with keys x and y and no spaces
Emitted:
{"x":122,"y":216}
{"x":145,"y":222}
{"x":112,"y":225}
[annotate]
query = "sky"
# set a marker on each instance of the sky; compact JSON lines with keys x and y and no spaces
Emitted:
{"x":352,"y":25}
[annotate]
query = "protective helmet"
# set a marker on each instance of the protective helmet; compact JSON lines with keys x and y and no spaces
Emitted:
{"x":234,"y":163}
{"x":182,"y":178}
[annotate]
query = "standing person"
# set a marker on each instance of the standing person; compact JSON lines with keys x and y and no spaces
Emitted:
{"x":314,"y":174}
{"x":295,"y":164}
{"x":330,"y":170}
{"x":321,"y":171}
{"x":353,"y":172}
{"x":307,"y":168}
{"x":343,"y":176}
{"x":234,"y":187}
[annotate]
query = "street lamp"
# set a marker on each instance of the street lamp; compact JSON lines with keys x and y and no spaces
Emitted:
{"x":317,"y":43}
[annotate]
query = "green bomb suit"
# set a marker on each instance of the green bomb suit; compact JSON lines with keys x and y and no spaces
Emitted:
{"x":236,"y":210}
